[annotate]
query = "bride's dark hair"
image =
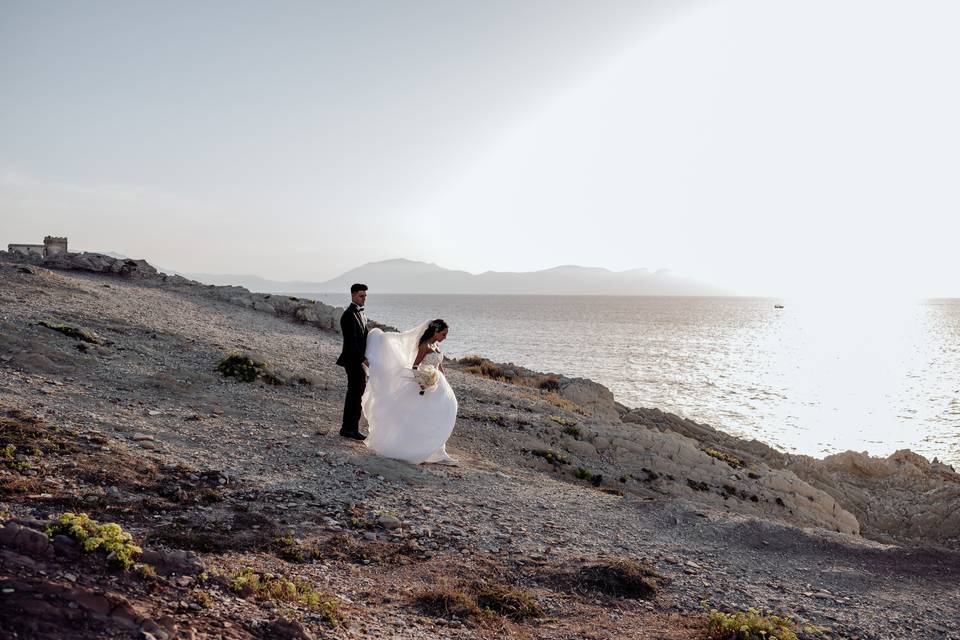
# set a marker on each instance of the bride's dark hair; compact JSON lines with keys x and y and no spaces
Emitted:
{"x":435,"y":327}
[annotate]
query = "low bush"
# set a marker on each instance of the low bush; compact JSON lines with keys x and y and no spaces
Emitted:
{"x":585,"y":474}
{"x":549,"y":384}
{"x":246,"y":368}
{"x":108,"y":538}
{"x":266,"y":586}
{"x":551,"y":456}
{"x":752,"y":625}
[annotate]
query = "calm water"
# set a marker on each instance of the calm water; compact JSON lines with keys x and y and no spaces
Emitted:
{"x":814,"y":378}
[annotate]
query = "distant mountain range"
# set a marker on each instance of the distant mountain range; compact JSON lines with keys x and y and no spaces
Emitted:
{"x":409,"y":276}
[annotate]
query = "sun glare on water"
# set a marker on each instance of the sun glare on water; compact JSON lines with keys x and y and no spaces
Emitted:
{"x":854,"y":360}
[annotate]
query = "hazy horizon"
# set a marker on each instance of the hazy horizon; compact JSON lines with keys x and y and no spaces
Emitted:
{"x":771,"y":149}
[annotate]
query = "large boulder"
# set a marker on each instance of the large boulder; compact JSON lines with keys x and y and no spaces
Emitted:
{"x":595,"y":398}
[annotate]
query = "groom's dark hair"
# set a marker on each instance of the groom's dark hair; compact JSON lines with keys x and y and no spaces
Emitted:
{"x":357,"y":287}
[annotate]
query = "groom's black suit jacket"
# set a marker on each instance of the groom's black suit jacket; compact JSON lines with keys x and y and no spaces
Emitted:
{"x":353,"y":325}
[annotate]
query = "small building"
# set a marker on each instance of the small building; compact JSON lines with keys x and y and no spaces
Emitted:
{"x":26,"y":249}
{"x":52,"y":246}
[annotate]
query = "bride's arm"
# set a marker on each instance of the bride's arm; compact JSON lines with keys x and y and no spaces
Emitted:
{"x":421,"y":354}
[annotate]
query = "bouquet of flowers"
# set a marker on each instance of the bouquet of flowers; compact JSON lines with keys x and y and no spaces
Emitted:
{"x":427,"y":376}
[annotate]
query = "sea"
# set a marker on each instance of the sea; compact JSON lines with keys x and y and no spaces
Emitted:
{"x":812,"y":377}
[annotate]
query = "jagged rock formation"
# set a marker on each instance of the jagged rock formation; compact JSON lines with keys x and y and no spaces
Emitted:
{"x":633,"y":457}
{"x":903,"y":497}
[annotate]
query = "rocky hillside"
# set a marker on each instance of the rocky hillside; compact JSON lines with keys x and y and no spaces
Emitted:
{"x":570,"y":516}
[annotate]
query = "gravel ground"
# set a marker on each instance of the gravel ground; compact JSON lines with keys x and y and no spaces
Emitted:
{"x":153,"y":393}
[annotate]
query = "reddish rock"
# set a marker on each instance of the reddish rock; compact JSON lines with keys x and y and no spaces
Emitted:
{"x":125,"y":615}
{"x":34,"y":543}
{"x":286,"y":629}
{"x":94,"y":602}
{"x":14,"y":560}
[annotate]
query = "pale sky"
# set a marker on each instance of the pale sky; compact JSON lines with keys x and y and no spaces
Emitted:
{"x":776,"y":148}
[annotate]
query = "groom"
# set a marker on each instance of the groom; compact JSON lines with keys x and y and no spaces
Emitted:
{"x":353,"y":325}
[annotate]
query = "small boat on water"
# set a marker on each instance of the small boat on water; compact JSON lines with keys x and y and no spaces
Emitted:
{"x":778,"y":306}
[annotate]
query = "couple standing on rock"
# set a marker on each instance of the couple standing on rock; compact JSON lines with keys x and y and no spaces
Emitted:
{"x":396,"y":381}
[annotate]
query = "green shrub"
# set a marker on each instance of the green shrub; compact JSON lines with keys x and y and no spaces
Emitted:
{"x":266,"y":586}
{"x":551,"y":456}
{"x":245,"y":368}
{"x":751,"y":625}
{"x":109,"y":538}
{"x":8,"y":456}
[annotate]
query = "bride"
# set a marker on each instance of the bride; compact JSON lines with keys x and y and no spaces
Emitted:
{"x":408,"y":403}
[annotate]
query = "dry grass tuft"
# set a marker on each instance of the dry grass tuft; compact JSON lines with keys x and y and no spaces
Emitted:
{"x":622,"y":578}
{"x":480,"y":366}
{"x":76,"y":333}
{"x":482,"y":601}
{"x":506,"y":601}
{"x":343,"y":546}
{"x":447,"y":600}
{"x":722,"y":456}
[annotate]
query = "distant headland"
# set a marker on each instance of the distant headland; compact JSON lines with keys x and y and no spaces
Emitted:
{"x":410,"y":276}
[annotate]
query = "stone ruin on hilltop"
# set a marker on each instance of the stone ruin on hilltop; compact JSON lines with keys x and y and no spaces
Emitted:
{"x":52,"y":246}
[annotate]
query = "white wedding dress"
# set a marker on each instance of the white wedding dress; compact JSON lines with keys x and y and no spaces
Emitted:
{"x":402,"y":423}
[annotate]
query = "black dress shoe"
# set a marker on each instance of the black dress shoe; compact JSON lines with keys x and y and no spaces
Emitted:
{"x":353,"y":435}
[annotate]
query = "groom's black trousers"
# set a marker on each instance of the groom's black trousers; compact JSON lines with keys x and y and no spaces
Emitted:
{"x":356,"y":384}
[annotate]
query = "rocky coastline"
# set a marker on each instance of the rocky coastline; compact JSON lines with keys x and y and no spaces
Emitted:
{"x":557,"y":475}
